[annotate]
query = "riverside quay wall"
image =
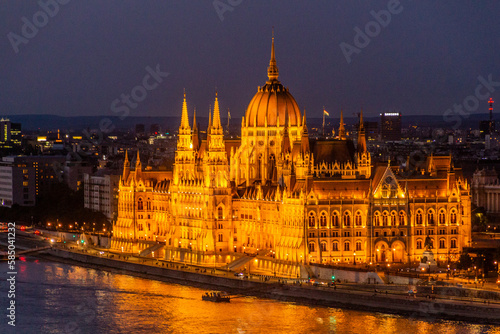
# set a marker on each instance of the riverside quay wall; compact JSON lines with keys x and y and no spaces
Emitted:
{"x":420,"y":307}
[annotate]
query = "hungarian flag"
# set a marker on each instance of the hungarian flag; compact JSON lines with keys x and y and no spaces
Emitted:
{"x":325,"y":112}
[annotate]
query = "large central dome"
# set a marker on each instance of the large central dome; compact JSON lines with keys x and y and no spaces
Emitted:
{"x":272,"y":101}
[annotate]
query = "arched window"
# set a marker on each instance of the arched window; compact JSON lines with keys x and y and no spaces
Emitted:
{"x":221,"y":237}
{"x":384,"y":219}
{"x":442,"y":243}
{"x":419,"y":244}
{"x":312,"y":247}
{"x":335,"y":246}
{"x":376,"y":219}
{"x":323,"y":246}
{"x":335,"y":219}
{"x":430,"y":217}
{"x":394,"y":221}
{"x":358,"y":219}
{"x":312,"y":219}
{"x":401,"y":218}
{"x":418,"y":217}
{"x":453,"y":217}
{"x":347,"y":219}
{"x":220,"y":213}
{"x":442,"y":217}
{"x":322,"y":219}
{"x":347,"y":246}
{"x":358,"y":246}
{"x":453,"y":243}
{"x":140,"y":204}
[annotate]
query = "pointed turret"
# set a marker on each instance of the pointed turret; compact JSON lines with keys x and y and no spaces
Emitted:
{"x":341,"y":126}
{"x":184,"y":118}
{"x":216,"y":120}
{"x":126,"y":167}
{"x":184,"y":139}
{"x":196,"y":133}
{"x":304,"y":142}
{"x":138,"y":167}
{"x":286,"y":147}
{"x":272,"y":70}
{"x":361,"y":134}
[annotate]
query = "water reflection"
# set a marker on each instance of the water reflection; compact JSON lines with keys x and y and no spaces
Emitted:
{"x":59,"y":298}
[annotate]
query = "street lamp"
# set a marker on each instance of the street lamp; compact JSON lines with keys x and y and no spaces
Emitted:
{"x":354,"y":262}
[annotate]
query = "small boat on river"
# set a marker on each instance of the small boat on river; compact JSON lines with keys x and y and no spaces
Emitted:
{"x":216,"y":297}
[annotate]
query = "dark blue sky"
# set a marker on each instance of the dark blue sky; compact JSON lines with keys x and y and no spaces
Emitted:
{"x":425,"y":60}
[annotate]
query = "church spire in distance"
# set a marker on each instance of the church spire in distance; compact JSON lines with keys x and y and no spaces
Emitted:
{"x":272,"y":70}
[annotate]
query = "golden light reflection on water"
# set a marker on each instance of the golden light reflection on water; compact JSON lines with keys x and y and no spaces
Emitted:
{"x":116,"y":303}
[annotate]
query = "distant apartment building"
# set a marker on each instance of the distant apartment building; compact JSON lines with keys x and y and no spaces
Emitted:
{"x":17,"y":182}
{"x":390,"y":126}
{"x":486,"y":190}
{"x":74,"y":172}
{"x":101,"y":194}
{"x":10,"y":133}
{"x":371,"y":130}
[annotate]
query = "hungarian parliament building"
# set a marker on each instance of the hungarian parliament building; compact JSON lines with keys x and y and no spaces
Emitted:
{"x":288,"y":200}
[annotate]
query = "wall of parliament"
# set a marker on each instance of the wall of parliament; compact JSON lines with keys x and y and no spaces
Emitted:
{"x":288,"y":199}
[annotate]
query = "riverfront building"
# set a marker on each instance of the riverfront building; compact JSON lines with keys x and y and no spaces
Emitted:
{"x":289,"y":200}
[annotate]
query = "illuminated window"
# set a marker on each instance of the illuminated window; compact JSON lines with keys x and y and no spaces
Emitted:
{"x":418,"y":217}
{"x":376,"y":219}
{"x":358,"y":219}
{"x":453,"y":217}
{"x":323,"y":246}
{"x":430,"y":217}
{"x":335,"y":219}
{"x":25,"y":183}
{"x":401,"y":218}
{"x":312,"y":219}
{"x":442,"y":217}
{"x":347,"y":219}
{"x":312,"y":247}
{"x":322,"y":219}
{"x":335,"y":246}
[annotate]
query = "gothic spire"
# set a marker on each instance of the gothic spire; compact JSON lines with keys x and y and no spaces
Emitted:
{"x":272,"y":70}
{"x":341,"y":126}
{"x":361,"y":134}
{"x":196,"y":133}
{"x":216,"y":120}
{"x":126,"y":167}
{"x":184,"y":117}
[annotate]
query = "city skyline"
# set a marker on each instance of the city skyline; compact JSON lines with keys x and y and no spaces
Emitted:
{"x":204,"y":47}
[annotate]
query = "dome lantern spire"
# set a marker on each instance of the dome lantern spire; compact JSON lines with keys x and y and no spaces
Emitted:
{"x":272,"y":70}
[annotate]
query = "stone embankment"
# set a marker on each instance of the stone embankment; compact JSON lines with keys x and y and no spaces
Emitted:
{"x":441,"y":302}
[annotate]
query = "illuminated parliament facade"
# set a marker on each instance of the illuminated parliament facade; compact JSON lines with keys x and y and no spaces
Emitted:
{"x":287,"y":199}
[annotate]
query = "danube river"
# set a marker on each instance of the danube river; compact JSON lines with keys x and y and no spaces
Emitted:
{"x":59,"y":298}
